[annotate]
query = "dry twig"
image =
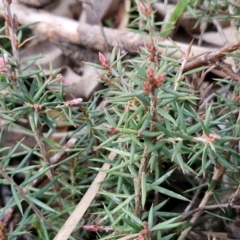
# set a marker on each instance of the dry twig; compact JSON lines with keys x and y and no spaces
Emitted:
{"x":63,"y":29}
{"x":212,"y":57}
{"x":218,"y":172}
{"x":60,"y":28}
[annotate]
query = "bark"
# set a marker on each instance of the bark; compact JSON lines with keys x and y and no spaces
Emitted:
{"x":101,"y":39}
{"x":59,"y":28}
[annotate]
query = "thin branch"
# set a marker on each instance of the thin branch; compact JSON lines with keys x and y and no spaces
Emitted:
{"x":142,"y":169}
{"x":218,"y":172}
{"x":38,"y":134}
{"x":212,"y":57}
{"x":23,"y":195}
{"x":186,"y":215}
{"x":58,"y":157}
{"x":54,"y":160}
{"x":146,"y":156}
{"x":194,"y":198}
{"x":11,"y":23}
{"x":227,"y":69}
{"x":63,"y":29}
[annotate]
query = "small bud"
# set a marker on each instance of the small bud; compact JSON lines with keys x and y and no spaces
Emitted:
{"x":145,"y":225}
{"x":236,"y":99}
{"x":159,"y":80}
{"x":146,"y":10}
{"x":37,"y":106}
{"x":4,"y":67}
{"x":150,"y":76}
{"x":73,"y":102}
{"x":7,"y":20}
{"x":15,"y":22}
{"x":14,"y":76}
{"x":213,"y":137}
{"x":113,"y":130}
{"x":16,"y":43}
{"x":7,"y":216}
{"x":103,"y":61}
{"x":147,"y":87}
{"x":153,"y":55}
{"x":3,"y":231}
{"x":63,"y":80}
{"x":203,"y":117}
{"x":2,"y":121}
{"x":92,"y":228}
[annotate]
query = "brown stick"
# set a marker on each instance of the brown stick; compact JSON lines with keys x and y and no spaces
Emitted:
{"x":60,"y":28}
{"x":218,"y":172}
{"x":212,"y":57}
{"x":186,"y":215}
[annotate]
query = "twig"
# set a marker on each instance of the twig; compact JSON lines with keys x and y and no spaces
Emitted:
{"x":146,"y":156}
{"x":43,"y":150}
{"x":23,"y":195}
{"x":12,"y":26}
{"x":195,"y":196}
{"x":98,"y":21}
{"x":125,"y":19}
{"x":186,"y":215}
{"x":56,"y":159}
{"x":140,"y":22}
{"x":142,"y":169}
{"x":211,"y":57}
{"x":226,"y":68}
{"x":218,"y":172}
{"x":85,"y":202}
{"x":60,"y":28}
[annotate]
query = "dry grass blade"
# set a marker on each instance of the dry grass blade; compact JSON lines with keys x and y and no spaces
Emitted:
{"x":85,"y":202}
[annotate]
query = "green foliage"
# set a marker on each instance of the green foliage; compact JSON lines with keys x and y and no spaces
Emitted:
{"x":176,"y":14}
